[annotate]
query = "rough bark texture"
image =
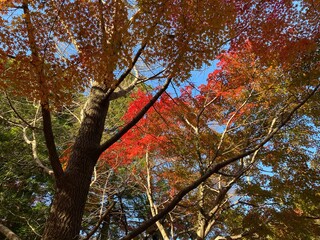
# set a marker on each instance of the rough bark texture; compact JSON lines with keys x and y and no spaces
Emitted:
{"x":64,"y":222}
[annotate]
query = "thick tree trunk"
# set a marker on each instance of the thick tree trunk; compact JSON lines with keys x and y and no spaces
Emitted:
{"x":64,"y":222}
{"x":65,"y":217}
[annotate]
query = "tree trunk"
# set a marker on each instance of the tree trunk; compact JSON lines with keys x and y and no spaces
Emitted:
{"x":201,"y":223}
{"x":66,"y":212}
{"x":64,"y":222}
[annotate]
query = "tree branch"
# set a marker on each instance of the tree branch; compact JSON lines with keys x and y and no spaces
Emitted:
{"x":153,"y":206}
{"x":17,"y":113}
{"x":11,"y":122}
{"x":215,"y":169}
{"x":135,"y":120}
{"x":99,"y":222}
{"x":127,"y":72}
{"x":133,"y":63}
{"x":46,"y":116}
{"x":123,"y":91}
{"x":8,"y":233}
{"x":33,"y":144}
{"x":52,"y":150}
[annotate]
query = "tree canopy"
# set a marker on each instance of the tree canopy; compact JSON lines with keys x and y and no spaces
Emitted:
{"x":123,"y":143}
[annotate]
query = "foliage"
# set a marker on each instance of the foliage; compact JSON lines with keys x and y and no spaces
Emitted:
{"x":191,"y":164}
{"x":26,"y":189}
{"x":186,"y":134}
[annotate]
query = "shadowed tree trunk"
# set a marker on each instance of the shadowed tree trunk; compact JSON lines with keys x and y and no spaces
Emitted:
{"x":66,"y":213}
{"x":72,"y":186}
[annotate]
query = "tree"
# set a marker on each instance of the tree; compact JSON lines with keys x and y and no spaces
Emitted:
{"x":184,"y":136}
{"x":51,"y":50}
{"x":27,"y":186}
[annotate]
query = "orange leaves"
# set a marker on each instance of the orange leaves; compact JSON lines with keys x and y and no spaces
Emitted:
{"x":82,"y":41}
{"x":33,"y":57}
{"x":54,"y":83}
{"x":64,"y":159}
{"x":4,"y":4}
{"x":187,"y":32}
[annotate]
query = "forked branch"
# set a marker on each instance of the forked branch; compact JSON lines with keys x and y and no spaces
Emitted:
{"x":214,"y":169}
{"x":135,"y":120}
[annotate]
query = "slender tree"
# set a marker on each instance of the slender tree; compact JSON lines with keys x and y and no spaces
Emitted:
{"x":183,"y":137}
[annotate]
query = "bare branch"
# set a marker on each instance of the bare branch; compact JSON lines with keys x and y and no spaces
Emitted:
{"x":123,"y":91}
{"x":33,"y":144}
{"x":74,"y":115}
{"x":100,"y":221}
{"x":153,"y":206}
{"x":229,"y":121}
{"x":94,"y":176}
{"x":50,"y":143}
{"x":215,"y":169}
{"x":8,"y":233}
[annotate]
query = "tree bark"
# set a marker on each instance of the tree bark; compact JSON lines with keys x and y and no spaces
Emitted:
{"x":201,"y":223}
{"x":64,"y":222}
{"x":8,"y":233}
{"x":72,"y":186}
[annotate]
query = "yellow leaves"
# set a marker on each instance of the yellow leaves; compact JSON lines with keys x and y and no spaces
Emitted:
{"x":53,"y":84}
{"x":80,"y":40}
{"x":8,"y":3}
{"x":152,"y":23}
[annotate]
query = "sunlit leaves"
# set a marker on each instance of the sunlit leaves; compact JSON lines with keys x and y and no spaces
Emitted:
{"x":58,"y":47}
{"x":243,"y":100}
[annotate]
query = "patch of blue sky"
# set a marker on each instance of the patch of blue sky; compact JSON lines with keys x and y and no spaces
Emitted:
{"x":198,"y":77}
